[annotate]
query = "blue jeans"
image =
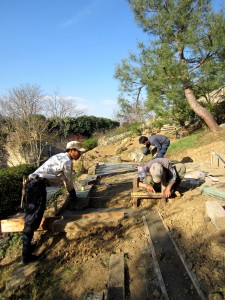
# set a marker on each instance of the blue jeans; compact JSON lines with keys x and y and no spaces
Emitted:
{"x":163,"y":150}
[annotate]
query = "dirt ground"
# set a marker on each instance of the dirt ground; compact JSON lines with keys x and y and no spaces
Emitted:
{"x":74,"y":264}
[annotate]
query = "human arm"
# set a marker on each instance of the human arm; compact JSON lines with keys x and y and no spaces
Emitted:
{"x":72,"y":195}
{"x":167,"y":191}
{"x":154,"y":152}
{"x":67,"y":170}
{"x":148,"y":187}
{"x":173,"y":175}
{"x":155,"y":141}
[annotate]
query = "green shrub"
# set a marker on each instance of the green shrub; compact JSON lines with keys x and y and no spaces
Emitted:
{"x":134,"y":128}
{"x":90,"y":143}
{"x":11,"y":187}
{"x":159,"y":123}
{"x":128,"y":129}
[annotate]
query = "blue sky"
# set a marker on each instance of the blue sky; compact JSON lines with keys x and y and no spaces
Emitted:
{"x":71,"y":46}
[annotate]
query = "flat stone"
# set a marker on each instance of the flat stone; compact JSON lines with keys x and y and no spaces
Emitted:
{"x":94,"y":296}
{"x":116,"y":289}
{"x":216,"y":213}
{"x":208,"y":190}
{"x":20,"y":275}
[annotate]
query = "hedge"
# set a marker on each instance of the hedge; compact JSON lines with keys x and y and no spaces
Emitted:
{"x":11,"y":187}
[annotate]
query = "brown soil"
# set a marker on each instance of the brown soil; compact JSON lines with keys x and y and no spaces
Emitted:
{"x":73,"y":264}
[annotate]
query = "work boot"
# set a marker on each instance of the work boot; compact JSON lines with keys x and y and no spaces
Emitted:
{"x":33,"y":247}
{"x":29,"y":259}
{"x":27,"y":256}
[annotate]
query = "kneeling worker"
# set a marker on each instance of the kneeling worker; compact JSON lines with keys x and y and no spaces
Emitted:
{"x":55,"y":170}
{"x":160,"y":142}
{"x":160,"y":170}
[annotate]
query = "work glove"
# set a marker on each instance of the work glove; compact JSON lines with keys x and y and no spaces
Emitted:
{"x":72,"y":195}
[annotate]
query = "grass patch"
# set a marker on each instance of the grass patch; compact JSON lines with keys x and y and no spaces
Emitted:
{"x":188,"y":142}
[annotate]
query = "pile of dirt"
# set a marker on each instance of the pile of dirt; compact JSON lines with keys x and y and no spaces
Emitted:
{"x":73,"y":264}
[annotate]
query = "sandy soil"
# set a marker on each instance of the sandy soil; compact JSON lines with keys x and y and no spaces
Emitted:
{"x":73,"y":264}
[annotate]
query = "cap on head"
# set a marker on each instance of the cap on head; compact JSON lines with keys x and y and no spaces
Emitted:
{"x":156,"y":171}
{"x":75,"y":145}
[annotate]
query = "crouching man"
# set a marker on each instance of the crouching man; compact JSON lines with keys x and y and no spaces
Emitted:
{"x":160,"y":170}
{"x":55,"y":170}
{"x":160,"y":142}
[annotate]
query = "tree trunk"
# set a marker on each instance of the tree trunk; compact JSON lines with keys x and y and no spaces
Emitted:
{"x":200,"y":111}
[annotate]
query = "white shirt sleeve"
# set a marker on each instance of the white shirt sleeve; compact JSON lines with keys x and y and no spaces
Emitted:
{"x":68,"y":175}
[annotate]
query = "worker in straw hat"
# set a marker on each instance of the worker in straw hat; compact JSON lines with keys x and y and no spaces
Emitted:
{"x":54,"y":171}
{"x":160,"y":170}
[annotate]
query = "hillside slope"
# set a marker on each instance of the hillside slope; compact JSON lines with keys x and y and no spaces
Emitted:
{"x":74,"y":263}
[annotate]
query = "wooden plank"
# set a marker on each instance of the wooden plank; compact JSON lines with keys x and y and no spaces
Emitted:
{"x":134,"y":202}
{"x":17,"y":225}
{"x":135,"y":184}
{"x":116,"y":288}
{"x":135,"y":189}
{"x":135,"y":195}
{"x":12,"y":225}
{"x":147,"y":195}
{"x":216,"y":213}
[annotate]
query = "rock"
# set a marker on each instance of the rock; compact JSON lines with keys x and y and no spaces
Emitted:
{"x":222,"y":126}
{"x":156,"y":294}
{"x":91,"y":170}
{"x":215,"y":296}
{"x":120,"y":150}
{"x":114,"y":159}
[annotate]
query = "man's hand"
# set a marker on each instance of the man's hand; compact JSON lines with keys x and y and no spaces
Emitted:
{"x":72,"y":200}
{"x":150,"y":188}
{"x":167,"y":192}
{"x":72,"y":195}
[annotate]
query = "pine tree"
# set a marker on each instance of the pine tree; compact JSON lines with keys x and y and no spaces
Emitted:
{"x":185,"y":56}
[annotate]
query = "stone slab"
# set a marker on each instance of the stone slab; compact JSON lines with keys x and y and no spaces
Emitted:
{"x":116,"y":288}
{"x":20,"y":275}
{"x":94,"y":296}
{"x":112,"y":169}
{"x":88,"y":178}
{"x":208,"y":190}
{"x":216,"y":213}
{"x":177,"y":280}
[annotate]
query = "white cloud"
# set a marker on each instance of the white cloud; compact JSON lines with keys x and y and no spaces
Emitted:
{"x":82,"y":14}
